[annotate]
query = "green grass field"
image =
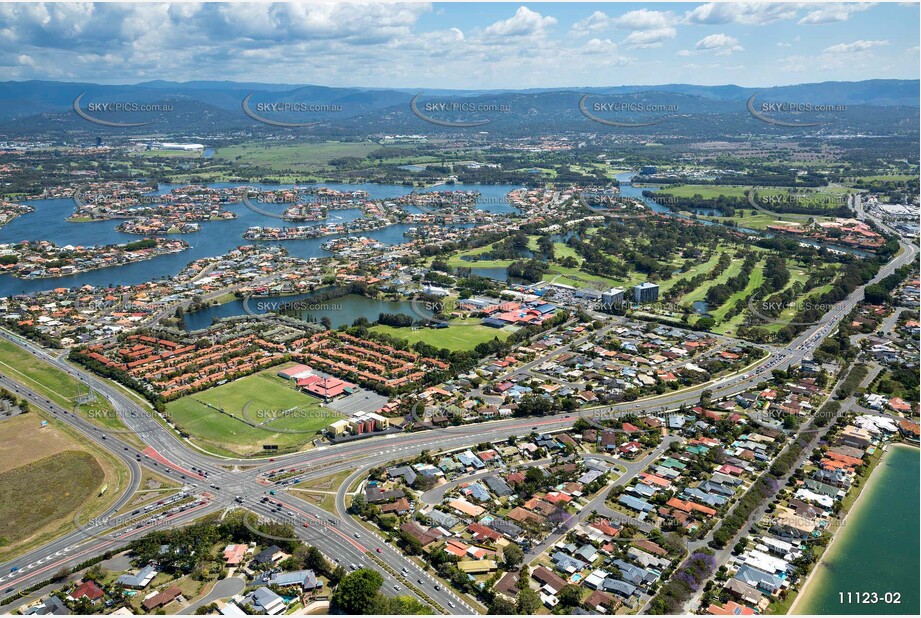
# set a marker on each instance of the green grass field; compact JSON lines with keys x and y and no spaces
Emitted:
{"x":40,"y":493}
{"x":754,"y":282}
{"x":762,"y":220}
{"x":260,"y":398}
{"x":461,"y":335}
{"x":824,"y":197}
{"x":296,"y":157}
{"x":700,"y":292}
{"x":705,"y":191}
{"x":697,"y":269}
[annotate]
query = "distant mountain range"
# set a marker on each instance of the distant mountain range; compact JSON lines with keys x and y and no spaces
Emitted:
{"x":204,"y":107}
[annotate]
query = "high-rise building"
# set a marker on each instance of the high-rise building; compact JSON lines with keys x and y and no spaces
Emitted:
{"x":612,"y":299}
{"x":645,"y":293}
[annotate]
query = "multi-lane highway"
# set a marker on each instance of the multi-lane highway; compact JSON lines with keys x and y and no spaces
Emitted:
{"x":220,"y":483}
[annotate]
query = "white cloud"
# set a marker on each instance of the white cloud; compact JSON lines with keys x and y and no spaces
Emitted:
{"x":596,"y":22}
{"x":856,"y":46}
{"x":644,"y":19}
{"x":834,"y":12}
{"x":525,"y":22}
{"x":648,"y":28}
{"x":649,"y":38}
{"x":722,"y":44}
{"x":751,"y":13}
{"x":600,"y":46}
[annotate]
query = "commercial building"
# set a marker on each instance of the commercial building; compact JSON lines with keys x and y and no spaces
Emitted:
{"x":367,"y":422}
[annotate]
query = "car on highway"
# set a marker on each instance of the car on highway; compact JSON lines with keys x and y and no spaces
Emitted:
{"x":379,"y":550}
{"x":356,"y":535}
{"x":396,"y":587}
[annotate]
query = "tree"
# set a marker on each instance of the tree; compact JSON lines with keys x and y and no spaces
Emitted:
{"x":528,"y":601}
{"x":336,"y":576}
{"x":570,"y":596}
{"x":61,"y":575}
{"x":706,"y":398}
{"x":358,"y":504}
{"x":357,"y":593}
{"x":314,"y":559}
{"x":501,"y":606}
{"x":404,"y":606}
{"x":512,"y":556}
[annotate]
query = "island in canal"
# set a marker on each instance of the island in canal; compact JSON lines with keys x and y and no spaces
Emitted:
{"x":41,"y":259}
{"x":156,"y":226}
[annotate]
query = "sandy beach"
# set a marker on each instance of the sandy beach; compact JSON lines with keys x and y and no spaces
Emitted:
{"x":833,"y":545}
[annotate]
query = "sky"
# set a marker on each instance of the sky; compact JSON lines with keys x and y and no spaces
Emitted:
{"x":461,"y":45}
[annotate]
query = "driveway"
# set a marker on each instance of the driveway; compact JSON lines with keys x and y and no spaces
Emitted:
{"x":224,"y":589}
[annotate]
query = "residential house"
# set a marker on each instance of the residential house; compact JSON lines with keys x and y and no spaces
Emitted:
{"x":266,"y":601}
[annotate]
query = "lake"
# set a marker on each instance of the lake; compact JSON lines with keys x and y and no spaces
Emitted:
{"x":341,"y":311}
{"x":878,"y":546}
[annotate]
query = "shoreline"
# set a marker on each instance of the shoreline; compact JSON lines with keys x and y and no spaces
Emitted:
{"x":870,"y":482}
{"x":89,"y":270}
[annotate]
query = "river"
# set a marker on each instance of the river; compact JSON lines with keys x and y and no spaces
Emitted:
{"x":877,"y":548}
{"x":49,"y":222}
